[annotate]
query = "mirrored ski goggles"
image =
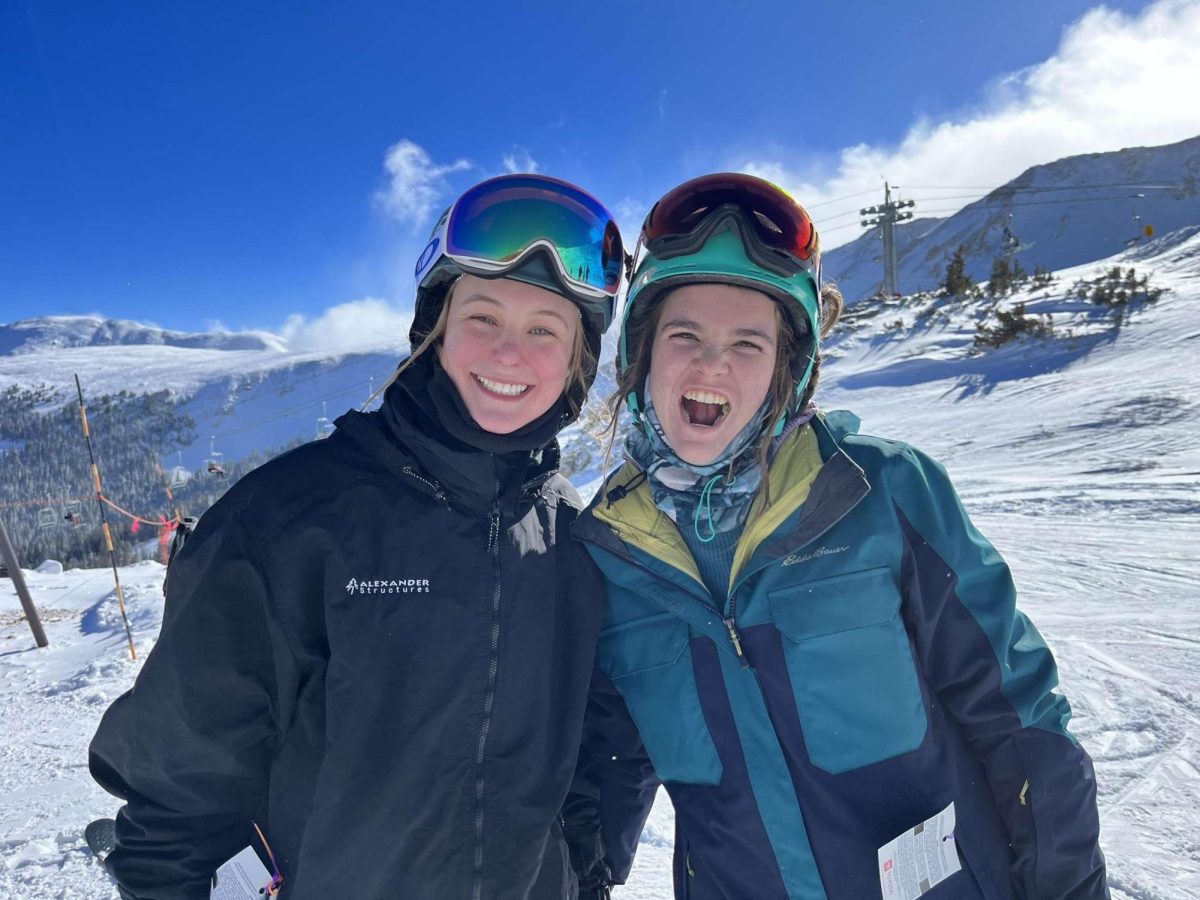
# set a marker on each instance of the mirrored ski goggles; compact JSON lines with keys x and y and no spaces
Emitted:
{"x":683,"y":220}
{"x":496,"y":224}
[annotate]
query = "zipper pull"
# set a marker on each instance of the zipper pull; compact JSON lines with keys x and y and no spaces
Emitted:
{"x":737,"y":641}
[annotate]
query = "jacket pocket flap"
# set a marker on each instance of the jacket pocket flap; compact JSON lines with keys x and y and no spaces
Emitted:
{"x":836,"y":604}
{"x":646,"y":643}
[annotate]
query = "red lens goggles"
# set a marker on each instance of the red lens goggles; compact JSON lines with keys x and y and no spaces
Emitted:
{"x":778,"y":221}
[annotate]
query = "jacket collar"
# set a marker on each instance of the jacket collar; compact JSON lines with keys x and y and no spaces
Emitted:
{"x":814,"y":485}
{"x":406,"y":438}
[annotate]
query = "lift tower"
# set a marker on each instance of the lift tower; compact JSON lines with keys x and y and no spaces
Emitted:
{"x":887,"y":216}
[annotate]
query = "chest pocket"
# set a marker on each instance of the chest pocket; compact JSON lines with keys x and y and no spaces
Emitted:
{"x":650,"y":662}
{"x":851,"y":668}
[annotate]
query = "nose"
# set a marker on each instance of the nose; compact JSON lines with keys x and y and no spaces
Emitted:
{"x":507,"y":349}
{"x":709,"y":359}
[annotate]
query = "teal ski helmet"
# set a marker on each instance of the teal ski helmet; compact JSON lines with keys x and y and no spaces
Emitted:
{"x":731,"y":229}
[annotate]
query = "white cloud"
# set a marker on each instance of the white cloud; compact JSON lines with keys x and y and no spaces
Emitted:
{"x":416,"y":183}
{"x":1115,"y":81}
{"x":359,"y":325}
{"x":520,"y":160}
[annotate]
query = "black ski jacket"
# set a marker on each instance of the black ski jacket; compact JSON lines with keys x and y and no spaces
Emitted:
{"x":376,"y":647}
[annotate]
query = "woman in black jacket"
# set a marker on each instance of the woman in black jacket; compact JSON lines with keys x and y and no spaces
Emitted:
{"x":376,"y":647}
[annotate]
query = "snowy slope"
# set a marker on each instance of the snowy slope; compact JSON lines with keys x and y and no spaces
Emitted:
{"x":247,"y":389}
{"x":1078,"y":456}
{"x":1064,"y":213}
{"x":1080,"y":459}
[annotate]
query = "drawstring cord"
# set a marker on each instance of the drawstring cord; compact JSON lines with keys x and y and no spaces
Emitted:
{"x":705,"y":505}
{"x":621,"y":491}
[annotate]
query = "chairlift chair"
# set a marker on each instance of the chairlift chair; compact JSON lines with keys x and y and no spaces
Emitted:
{"x":47,"y":517}
{"x":324,"y":426}
{"x":73,"y":514}
{"x":215,"y":464}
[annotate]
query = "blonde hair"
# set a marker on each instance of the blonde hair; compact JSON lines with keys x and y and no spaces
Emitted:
{"x":575,"y":388}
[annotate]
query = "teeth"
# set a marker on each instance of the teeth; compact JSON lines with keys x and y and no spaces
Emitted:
{"x":706,"y":397}
{"x":499,"y":387}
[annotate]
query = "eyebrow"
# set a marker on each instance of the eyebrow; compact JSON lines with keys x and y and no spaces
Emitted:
{"x":740,"y":332}
{"x":484,"y":298}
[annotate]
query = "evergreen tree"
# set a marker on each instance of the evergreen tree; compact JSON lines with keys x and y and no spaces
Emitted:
{"x":47,"y":497}
{"x":1001,"y":280}
{"x":958,"y":282}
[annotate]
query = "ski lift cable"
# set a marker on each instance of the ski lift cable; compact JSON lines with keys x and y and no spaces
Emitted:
{"x":283,"y":414}
{"x":1043,"y":188}
{"x":956,"y":209}
{"x":1107,"y":199}
{"x":984,"y":196}
{"x":1032,"y":189}
{"x":350,"y":361}
{"x":839,"y":199}
{"x":42,"y":501}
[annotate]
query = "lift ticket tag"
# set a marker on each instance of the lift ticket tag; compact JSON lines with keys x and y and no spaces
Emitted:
{"x":919,"y":858}
{"x":241,"y":878}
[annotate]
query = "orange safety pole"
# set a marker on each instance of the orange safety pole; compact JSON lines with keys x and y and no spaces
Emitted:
{"x":103,"y":518}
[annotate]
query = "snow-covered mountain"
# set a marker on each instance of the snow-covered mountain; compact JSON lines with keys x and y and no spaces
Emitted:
{"x":245,"y":391}
{"x":1063,"y":214}
{"x":248,"y":391}
{"x":49,"y":333}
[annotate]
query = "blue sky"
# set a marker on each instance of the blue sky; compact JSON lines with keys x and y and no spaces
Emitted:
{"x":276,"y":165}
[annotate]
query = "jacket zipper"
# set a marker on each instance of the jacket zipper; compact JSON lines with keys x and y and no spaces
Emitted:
{"x":435,"y":488}
{"x":729,"y":620}
{"x":735,"y":636}
{"x":490,"y":696}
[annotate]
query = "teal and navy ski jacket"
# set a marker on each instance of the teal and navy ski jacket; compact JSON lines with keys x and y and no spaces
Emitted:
{"x":868,"y":668}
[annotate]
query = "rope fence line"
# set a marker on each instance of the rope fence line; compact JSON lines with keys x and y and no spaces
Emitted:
{"x":102,"y":497}
{"x":175,"y":519}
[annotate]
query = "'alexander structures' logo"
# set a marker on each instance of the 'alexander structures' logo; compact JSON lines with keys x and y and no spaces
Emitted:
{"x":386,"y":586}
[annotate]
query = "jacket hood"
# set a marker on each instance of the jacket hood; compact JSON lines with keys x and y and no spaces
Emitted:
{"x":408,"y":435}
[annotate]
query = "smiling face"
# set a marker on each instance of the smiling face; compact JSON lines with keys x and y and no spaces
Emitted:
{"x":508,"y":348}
{"x":712,"y":362}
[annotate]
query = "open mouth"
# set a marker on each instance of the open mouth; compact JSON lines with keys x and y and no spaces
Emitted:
{"x":503,"y":388}
{"x":704,"y":408}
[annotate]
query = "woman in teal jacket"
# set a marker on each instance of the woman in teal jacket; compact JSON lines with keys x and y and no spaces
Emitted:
{"x":806,"y":640}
